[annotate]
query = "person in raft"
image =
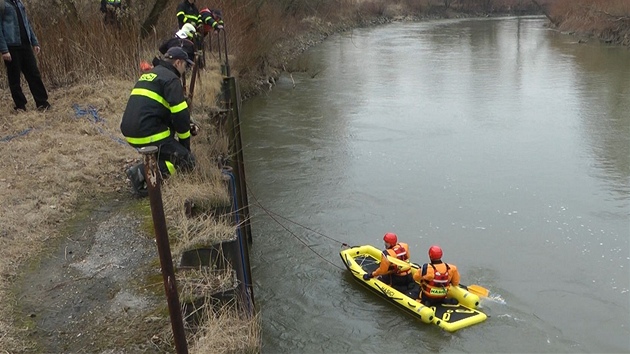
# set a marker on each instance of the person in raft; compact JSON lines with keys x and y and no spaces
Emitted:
{"x":435,"y":278}
{"x":389,"y":272}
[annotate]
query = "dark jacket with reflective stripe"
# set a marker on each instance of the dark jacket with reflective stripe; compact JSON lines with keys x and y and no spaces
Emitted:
{"x":187,"y":13}
{"x":208,"y":18}
{"x":187,"y":45}
{"x":155,"y":107}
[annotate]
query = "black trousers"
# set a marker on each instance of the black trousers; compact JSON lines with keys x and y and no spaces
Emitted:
{"x":397,"y":280}
{"x":23,"y":62}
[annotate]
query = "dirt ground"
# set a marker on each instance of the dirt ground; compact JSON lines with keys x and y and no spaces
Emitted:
{"x":85,"y":296}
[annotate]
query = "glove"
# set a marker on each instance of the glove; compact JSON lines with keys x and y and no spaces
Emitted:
{"x":194,"y":129}
{"x":367,"y":276}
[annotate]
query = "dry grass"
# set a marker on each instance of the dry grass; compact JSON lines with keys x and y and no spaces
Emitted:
{"x":214,"y":326}
{"x":188,"y":233}
{"x":73,"y":153}
{"x":195,"y":283}
{"x":51,"y":161}
{"x":242,"y":335}
{"x":608,"y":20}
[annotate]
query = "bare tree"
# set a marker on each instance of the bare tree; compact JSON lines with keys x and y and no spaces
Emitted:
{"x":154,"y":15}
{"x":72,"y":10}
{"x":554,"y":21}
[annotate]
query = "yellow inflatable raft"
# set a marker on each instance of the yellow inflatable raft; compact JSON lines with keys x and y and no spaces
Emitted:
{"x":362,"y":259}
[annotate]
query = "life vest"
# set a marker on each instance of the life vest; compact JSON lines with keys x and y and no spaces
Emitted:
{"x":398,"y":252}
{"x":438,"y":287}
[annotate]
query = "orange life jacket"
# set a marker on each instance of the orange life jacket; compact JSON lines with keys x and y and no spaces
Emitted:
{"x":399,"y":252}
{"x":438,"y":287}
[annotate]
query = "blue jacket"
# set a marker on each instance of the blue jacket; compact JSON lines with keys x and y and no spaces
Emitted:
{"x":10,"y":27}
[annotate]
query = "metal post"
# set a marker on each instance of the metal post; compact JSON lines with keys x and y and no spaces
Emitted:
{"x":153,"y":179}
{"x":242,"y":266}
{"x":239,"y":161}
{"x":227,"y":63}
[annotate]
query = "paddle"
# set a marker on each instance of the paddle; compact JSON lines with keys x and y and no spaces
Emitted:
{"x":476,"y":289}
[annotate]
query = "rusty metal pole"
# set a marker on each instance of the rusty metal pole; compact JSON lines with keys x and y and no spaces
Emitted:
{"x":154,"y":179}
{"x":227,"y":63}
{"x":239,"y":161}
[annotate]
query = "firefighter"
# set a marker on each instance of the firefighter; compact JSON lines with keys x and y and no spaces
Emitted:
{"x":183,"y":38}
{"x":389,"y":272}
{"x":435,"y":278}
{"x":157,"y":115}
{"x":187,"y":12}
{"x":110,"y":8}
{"x":211,"y":19}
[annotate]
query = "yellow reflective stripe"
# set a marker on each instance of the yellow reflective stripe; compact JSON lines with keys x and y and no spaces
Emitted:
{"x":180,"y":13}
{"x":170,"y":167}
{"x":185,"y":135}
{"x":192,"y":17}
{"x":180,"y":107}
{"x":149,"y":139}
{"x":152,"y":95}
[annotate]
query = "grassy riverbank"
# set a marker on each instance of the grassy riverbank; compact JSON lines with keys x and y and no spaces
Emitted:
{"x":604,"y":20}
{"x":59,"y":161}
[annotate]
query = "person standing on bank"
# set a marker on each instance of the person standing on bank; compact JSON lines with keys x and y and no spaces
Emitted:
{"x":19,"y":45}
{"x":156,"y":114}
{"x":110,"y":9}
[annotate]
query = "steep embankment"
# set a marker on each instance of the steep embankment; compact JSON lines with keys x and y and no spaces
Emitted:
{"x":606,"y":21}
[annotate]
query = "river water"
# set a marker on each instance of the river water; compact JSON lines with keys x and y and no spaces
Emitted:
{"x":504,"y":142}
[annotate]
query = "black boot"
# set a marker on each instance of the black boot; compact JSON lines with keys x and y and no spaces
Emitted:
{"x":138,"y":182}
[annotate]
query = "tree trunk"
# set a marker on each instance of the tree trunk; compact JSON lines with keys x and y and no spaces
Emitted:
{"x":544,"y":10}
{"x":151,"y":21}
{"x":73,"y":13}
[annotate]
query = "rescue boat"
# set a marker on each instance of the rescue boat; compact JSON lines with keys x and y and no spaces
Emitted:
{"x":451,"y":317}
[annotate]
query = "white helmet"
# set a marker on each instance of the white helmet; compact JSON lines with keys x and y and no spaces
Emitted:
{"x":187,"y":31}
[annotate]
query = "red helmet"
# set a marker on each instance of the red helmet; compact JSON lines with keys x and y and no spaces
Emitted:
{"x":435,"y":253}
{"x":390,"y":238}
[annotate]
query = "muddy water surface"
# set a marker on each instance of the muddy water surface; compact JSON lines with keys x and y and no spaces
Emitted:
{"x":503,"y":141}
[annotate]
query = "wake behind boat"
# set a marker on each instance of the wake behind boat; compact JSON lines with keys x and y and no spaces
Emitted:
{"x":363,"y":259}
